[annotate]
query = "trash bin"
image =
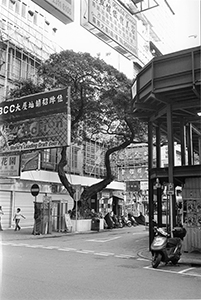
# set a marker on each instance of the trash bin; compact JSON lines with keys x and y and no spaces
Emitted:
{"x":95,"y":224}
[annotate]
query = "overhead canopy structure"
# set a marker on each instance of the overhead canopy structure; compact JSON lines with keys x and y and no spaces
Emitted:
{"x":171,"y":81}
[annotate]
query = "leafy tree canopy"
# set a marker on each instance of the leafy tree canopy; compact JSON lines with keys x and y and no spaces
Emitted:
{"x":101,"y":106}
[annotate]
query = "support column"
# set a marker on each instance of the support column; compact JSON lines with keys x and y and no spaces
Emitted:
{"x":183,"y":142}
{"x":158,"y":147}
{"x":150,"y":166}
{"x":158,"y":185}
{"x":199,"y":143}
{"x":170,"y":162}
{"x":189,"y":144}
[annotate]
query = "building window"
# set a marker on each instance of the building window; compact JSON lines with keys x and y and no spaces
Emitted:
{"x":4,"y":2}
{"x":11,"y":5}
{"x":41,"y":21}
{"x":46,"y":155}
{"x":17,"y":7}
{"x":35,"y":18}
{"x":24,"y":8}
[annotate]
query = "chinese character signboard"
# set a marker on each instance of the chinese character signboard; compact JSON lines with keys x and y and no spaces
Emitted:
{"x":9,"y":165}
{"x":35,"y":122}
{"x":112,"y":23}
{"x":63,"y":10}
{"x":34,"y":105}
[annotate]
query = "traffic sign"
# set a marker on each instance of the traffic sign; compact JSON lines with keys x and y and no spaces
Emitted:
{"x":35,"y":190}
{"x":170,"y":190}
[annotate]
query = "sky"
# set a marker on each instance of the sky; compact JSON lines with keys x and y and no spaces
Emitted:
{"x":187,"y":23}
{"x":186,"y":34}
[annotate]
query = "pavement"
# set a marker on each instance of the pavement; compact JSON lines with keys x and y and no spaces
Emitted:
{"x":193,"y":258}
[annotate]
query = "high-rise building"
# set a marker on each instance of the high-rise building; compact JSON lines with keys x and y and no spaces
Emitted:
{"x":27,"y":37}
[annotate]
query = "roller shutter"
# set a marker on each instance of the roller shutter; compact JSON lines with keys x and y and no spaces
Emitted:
{"x":5,"y":202}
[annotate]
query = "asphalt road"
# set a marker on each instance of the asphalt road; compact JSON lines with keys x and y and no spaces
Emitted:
{"x":91,"y":266}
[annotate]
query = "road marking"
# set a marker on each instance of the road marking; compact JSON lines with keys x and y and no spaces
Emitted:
{"x":160,"y":270}
{"x":174,"y":272}
{"x":103,"y":240}
{"x":104,"y":253}
{"x":125,"y":256}
{"x":67,"y":249}
{"x":186,"y":270}
{"x":50,"y":247}
{"x":34,"y":246}
{"x":143,"y":259}
{"x":82,"y":251}
{"x":85,"y":251}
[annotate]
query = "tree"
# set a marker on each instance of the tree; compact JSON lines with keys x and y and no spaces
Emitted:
{"x":101,"y":108}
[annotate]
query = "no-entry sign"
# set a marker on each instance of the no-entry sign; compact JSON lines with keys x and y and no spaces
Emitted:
{"x":35,"y":190}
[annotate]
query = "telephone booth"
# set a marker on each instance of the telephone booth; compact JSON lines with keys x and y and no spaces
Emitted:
{"x":42,"y":217}
{"x":59,"y":209}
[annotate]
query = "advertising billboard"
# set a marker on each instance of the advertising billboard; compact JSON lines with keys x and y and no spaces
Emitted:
{"x":35,"y":122}
{"x":111,"y":23}
{"x":35,"y":133}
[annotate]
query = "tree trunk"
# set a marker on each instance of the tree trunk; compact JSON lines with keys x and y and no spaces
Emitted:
{"x":62,"y":174}
{"x":98,"y":187}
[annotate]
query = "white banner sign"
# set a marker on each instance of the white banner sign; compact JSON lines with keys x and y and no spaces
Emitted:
{"x":9,"y":165}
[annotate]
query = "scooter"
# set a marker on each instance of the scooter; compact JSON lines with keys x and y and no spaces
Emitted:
{"x":167,"y":249}
{"x":125,"y":221}
{"x":132,"y":219}
{"x":117,"y":222}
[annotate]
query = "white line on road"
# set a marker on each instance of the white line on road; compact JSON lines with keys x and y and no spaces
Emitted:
{"x":174,"y":272}
{"x":104,"y":240}
{"x":143,"y":259}
{"x":125,"y":256}
{"x":67,"y":249}
{"x":104,"y":253}
{"x":34,"y":246}
{"x":50,"y":247}
{"x":160,"y":270}
{"x":85,"y":251}
{"x":185,"y":270}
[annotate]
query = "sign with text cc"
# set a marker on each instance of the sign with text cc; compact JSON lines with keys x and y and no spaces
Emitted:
{"x":38,"y":121}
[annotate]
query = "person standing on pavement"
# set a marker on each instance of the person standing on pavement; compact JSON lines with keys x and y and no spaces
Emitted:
{"x":1,"y":214}
{"x":17,"y":218}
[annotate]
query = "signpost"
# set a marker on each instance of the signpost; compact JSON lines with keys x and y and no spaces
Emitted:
{"x":170,"y":192}
{"x":35,"y":190}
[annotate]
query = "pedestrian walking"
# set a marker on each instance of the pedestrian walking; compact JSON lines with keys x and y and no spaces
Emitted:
{"x":1,"y":214}
{"x":17,"y":218}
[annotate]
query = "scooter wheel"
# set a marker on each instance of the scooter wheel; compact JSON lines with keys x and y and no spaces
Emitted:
{"x":156,"y":259}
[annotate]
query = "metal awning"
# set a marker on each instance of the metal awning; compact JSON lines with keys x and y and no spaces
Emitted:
{"x":173,"y":79}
